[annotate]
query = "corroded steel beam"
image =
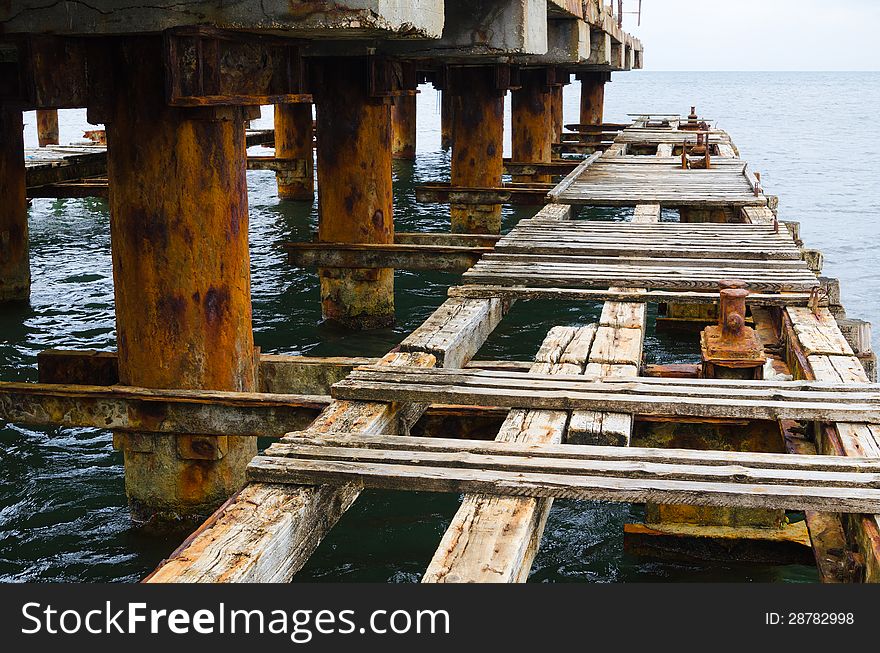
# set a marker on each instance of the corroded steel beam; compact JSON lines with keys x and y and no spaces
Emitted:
{"x":47,"y":127}
{"x":293,"y":142}
{"x":531,"y":114}
{"x":354,"y":187}
{"x":477,"y":136}
{"x":478,"y":199}
{"x":142,"y":412}
{"x":403,"y":123}
{"x":181,"y":276}
{"x":15,"y":274}
{"x":398,"y":257}
{"x":592,"y":97}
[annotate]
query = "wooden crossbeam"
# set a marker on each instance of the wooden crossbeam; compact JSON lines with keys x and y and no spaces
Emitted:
{"x":527,"y":293}
{"x":716,"y":398}
{"x":670,"y":476}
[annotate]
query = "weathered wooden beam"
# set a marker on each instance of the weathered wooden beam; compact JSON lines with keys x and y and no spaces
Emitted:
{"x":599,"y":295}
{"x":522,"y":469}
{"x":399,"y":257}
{"x":648,"y":396}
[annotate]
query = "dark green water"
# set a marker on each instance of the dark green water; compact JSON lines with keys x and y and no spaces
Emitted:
{"x":62,"y":507}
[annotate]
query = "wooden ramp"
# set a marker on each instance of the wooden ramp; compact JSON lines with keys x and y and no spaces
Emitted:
{"x":671,"y":476}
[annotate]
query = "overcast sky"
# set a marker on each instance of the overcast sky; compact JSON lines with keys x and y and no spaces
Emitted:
{"x":758,"y":34}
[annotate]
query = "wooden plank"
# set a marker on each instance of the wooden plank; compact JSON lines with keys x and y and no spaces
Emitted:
{"x":456,"y":330}
{"x":485,"y":388}
{"x":524,"y":293}
{"x":570,"y":178}
{"x":531,"y":475}
{"x":494,"y":539}
{"x":855,"y":438}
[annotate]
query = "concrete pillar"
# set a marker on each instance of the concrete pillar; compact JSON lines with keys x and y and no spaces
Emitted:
{"x":181,"y":269}
{"x":531,"y":113}
{"x":294,"y":143}
{"x":47,"y":127}
{"x":593,"y":97}
{"x":445,"y":120}
{"x":354,"y":190}
{"x":477,"y":151}
{"x":15,"y":273}
{"x":557,"y":121}
{"x":403,"y":124}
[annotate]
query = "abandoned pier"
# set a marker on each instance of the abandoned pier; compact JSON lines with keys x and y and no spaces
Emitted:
{"x":767,"y":450}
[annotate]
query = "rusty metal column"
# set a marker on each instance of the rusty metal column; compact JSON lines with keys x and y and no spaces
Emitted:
{"x":403,"y":124}
{"x":15,"y":273}
{"x":557,"y":121}
{"x":477,"y":151}
{"x":294,"y":143}
{"x":531,"y":114}
{"x":181,"y":269}
{"x":47,"y":127}
{"x":354,"y":189}
{"x":593,"y":97}
{"x":445,"y":120}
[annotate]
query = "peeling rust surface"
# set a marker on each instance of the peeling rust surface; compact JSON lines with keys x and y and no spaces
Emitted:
{"x":532,"y":116}
{"x":354,"y":192}
{"x":178,"y":201}
{"x":294,"y":141}
{"x":477,"y":134}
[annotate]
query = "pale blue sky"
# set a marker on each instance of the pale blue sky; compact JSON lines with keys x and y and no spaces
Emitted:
{"x":758,"y":34}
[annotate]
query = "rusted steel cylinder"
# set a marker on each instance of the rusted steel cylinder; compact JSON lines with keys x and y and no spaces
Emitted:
{"x":403,"y":125}
{"x":181,"y":269}
{"x":477,"y":152}
{"x":354,"y":190}
{"x":531,"y":117}
{"x":557,"y":121}
{"x":445,"y":120}
{"x":293,"y":142}
{"x":15,"y":273}
{"x":47,"y":127}
{"x":592,"y":98}
{"x":732,"y":311}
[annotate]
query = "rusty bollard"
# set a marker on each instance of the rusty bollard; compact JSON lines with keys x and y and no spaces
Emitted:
{"x":731,"y":349}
